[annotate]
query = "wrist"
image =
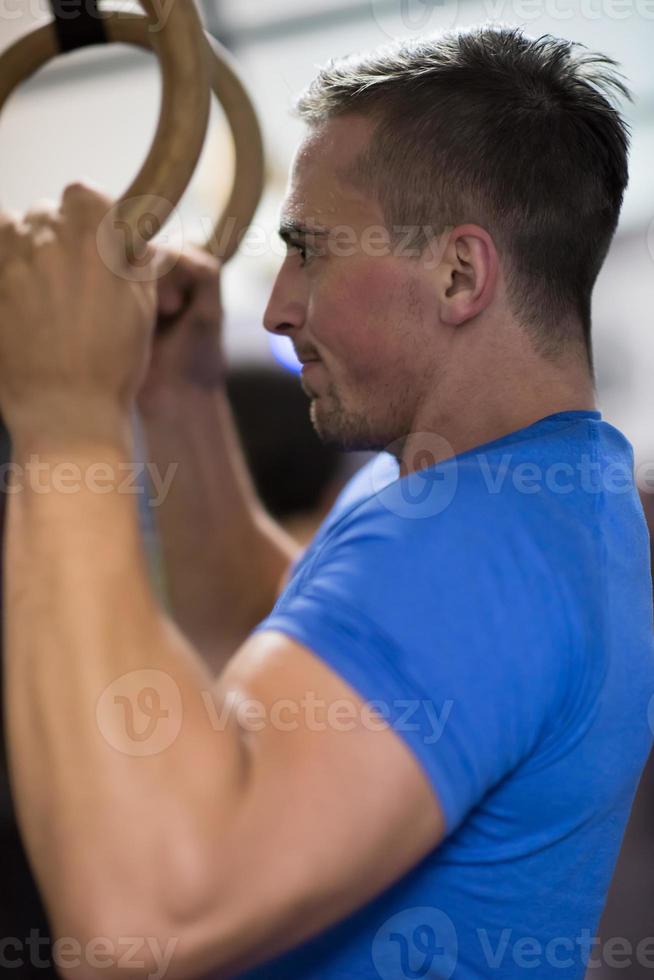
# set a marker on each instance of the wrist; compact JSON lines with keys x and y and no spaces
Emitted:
{"x":86,"y":428}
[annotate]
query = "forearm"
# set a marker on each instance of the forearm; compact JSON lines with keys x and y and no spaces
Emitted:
{"x":223,"y":555}
{"x":79,"y":616}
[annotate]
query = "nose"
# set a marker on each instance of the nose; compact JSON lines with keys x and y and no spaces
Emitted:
{"x":286,"y":310}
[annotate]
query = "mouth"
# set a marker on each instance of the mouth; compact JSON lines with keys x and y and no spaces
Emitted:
{"x":309,"y":364}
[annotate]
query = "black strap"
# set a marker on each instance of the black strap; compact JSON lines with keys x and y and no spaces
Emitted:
{"x":78,"y":24}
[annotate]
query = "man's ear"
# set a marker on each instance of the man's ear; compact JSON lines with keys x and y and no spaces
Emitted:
{"x":466,"y":273}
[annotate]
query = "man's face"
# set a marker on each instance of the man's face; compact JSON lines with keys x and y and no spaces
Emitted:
{"x":360,"y":311}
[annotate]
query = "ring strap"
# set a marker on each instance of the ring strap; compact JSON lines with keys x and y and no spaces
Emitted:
{"x":77,"y":25}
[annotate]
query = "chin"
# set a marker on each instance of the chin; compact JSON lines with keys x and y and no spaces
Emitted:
{"x":345,"y":430}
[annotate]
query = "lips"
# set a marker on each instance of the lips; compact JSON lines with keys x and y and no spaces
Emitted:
{"x":306,"y":359}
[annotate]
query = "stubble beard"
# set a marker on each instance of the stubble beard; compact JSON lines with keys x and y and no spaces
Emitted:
{"x":337,"y":426}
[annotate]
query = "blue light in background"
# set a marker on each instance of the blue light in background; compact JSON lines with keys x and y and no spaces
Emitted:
{"x":282,"y":351}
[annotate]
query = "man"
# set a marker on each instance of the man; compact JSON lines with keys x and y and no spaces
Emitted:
{"x":422,"y":760}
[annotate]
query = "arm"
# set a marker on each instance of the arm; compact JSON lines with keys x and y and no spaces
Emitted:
{"x":224,"y":556}
{"x":160,"y":833}
{"x":231,"y":841}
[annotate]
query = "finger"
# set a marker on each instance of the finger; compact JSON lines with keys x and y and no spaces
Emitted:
{"x":43,"y":212}
{"x":44,"y":223}
{"x":189,"y":295}
{"x":171,"y":299}
{"x":83,"y":206}
{"x":82,"y":210}
{"x":82,"y":195}
{"x":192,"y":267}
{"x":179,"y":278}
{"x":14,"y":237}
{"x":195,"y":258}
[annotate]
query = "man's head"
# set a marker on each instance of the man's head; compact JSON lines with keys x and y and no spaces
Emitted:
{"x":461,"y":193}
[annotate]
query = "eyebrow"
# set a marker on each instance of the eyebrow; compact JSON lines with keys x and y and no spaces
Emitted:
{"x":290,"y":231}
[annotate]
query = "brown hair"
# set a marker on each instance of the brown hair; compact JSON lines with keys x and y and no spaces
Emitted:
{"x":513,"y":133}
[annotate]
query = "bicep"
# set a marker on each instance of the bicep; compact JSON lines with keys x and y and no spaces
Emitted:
{"x":336,"y":807}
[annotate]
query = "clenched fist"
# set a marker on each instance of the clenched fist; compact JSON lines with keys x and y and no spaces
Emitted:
{"x":187,"y":351}
{"x":75,"y":325}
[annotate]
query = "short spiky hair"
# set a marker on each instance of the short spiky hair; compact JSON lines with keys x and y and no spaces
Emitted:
{"x":514,"y":133}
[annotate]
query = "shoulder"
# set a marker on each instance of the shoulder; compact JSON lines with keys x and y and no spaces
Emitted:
{"x":431,"y":546}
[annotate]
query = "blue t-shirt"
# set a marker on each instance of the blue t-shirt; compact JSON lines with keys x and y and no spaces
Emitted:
{"x":497,"y":609}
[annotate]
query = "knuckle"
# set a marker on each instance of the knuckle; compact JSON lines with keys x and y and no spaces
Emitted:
{"x":75,"y":193}
{"x":9,"y":224}
{"x":45,"y":239}
{"x":43,"y":227}
{"x":201,"y":262}
{"x":43,"y":210}
{"x":15,"y":243}
{"x":82,"y":198}
{"x":209,"y":262}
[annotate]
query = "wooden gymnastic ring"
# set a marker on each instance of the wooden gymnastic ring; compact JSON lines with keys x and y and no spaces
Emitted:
{"x":242,"y":119}
{"x":249,"y":155}
{"x":182,"y":52}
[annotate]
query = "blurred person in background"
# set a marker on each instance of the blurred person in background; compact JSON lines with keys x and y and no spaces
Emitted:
{"x":295,"y":475}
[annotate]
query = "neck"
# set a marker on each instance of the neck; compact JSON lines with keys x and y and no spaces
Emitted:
{"x":480,"y":411}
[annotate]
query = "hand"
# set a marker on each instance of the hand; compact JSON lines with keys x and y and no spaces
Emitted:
{"x":187,"y":348}
{"x":75,"y":334}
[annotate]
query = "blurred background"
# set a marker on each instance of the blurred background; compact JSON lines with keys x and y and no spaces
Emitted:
{"x":93,"y":114}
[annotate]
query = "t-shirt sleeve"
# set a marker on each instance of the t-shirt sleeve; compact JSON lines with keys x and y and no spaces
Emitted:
{"x":440,"y":633}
